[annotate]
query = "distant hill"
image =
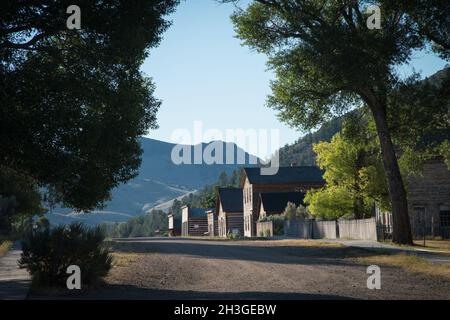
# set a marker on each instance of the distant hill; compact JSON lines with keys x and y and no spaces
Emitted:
{"x":159,"y":181}
{"x":301,"y":152}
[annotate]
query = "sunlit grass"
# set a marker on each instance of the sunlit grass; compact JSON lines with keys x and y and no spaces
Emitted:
{"x":124,"y":259}
{"x":5,"y":245}
{"x":408,"y":262}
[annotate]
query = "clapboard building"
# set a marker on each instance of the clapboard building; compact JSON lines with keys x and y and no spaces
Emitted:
{"x":428,"y":202}
{"x":213,"y":227}
{"x":229,"y":206}
{"x":288,"y":179}
{"x":174,"y":226}
{"x":194,"y":222}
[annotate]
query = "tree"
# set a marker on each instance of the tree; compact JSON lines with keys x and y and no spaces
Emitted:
{"x":74,"y":102}
{"x":293,"y":212}
{"x":19,"y":198}
{"x":326,"y":61}
{"x":353,"y":170}
{"x":223,"y":179}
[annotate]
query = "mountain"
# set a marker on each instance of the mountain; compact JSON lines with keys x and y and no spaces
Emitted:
{"x":159,"y":181}
{"x":301,"y":152}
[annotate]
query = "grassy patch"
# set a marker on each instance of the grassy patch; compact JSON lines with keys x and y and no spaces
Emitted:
{"x":408,"y":262}
{"x":124,"y":259}
{"x":5,"y":245}
{"x":307,"y":243}
{"x":441,"y":245}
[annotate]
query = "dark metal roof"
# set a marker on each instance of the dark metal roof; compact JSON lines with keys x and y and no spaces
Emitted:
{"x":302,"y":174}
{"x":276,"y":202}
{"x":197,"y":212}
{"x":231,"y":199}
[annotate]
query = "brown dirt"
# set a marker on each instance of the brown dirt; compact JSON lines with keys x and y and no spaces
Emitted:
{"x":196,"y":269}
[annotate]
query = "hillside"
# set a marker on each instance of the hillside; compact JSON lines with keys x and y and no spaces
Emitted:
{"x":301,"y":152}
{"x":159,"y":181}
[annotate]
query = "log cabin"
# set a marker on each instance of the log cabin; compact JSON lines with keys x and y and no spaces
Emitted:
{"x":274,"y":203}
{"x":288,"y":179}
{"x":174,"y":226}
{"x":213,"y":226}
{"x":229,"y":206}
{"x":194,"y":222}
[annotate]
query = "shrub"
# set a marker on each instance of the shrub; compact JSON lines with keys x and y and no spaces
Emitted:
{"x":48,"y":252}
{"x":277,"y":224}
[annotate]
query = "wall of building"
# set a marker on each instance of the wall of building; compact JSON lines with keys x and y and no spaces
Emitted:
{"x":252,"y":199}
{"x":428,"y":198}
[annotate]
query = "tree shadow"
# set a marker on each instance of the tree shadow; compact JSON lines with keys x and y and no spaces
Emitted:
{"x":130,"y":292}
{"x":280,"y":254}
{"x":14,"y":289}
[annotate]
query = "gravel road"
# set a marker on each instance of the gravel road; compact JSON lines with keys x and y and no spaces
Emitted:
{"x":198,"y":269}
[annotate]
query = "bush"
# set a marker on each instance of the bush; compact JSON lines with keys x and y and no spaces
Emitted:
{"x":48,"y":252}
{"x":277,"y":224}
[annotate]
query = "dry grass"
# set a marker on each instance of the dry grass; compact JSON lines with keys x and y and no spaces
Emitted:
{"x":441,"y":245}
{"x":408,"y":262}
{"x":5,"y":245}
{"x":306,"y":243}
{"x":124,"y":259}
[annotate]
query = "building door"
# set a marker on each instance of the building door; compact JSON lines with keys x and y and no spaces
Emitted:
{"x":444,"y":215}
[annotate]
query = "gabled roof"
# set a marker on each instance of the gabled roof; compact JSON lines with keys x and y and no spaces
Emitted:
{"x":276,"y":202}
{"x":197,"y":212}
{"x":286,"y":175}
{"x":231,"y":199}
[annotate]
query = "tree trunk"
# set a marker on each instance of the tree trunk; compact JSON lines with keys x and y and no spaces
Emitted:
{"x":397,"y":193}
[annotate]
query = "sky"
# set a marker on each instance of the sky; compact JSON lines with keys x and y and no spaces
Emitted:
{"x":202,"y":73}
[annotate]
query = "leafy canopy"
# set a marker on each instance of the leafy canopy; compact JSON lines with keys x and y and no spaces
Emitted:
{"x":74,"y":102}
{"x":324,"y":56}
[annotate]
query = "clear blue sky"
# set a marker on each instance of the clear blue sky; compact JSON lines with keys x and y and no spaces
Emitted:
{"x":203,"y":73}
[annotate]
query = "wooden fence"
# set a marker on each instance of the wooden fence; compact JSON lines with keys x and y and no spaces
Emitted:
{"x":364,"y":229}
{"x":264,"y":229}
{"x":361,"y":229}
{"x":310,"y":229}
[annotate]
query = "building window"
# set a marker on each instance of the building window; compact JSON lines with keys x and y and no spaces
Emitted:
{"x":445,"y":216}
{"x":420,"y":214}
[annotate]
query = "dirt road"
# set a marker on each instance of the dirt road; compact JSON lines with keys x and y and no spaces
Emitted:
{"x":197,"y":269}
{"x":181,"y":268}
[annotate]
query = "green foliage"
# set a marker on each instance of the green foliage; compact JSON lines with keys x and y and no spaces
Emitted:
{"x":277,"y":224}
{"x":149,"y":225}
{"x":20,"y":198}
{"x":353,"y":172}
{"x":331,"y":203}
{"x":293,"y":212}
{"x":74,"y":102}
{"x":327,"y":61}
{"x":301,"y":152}
{"x":206,"y":198}
{"x":48,"y":252}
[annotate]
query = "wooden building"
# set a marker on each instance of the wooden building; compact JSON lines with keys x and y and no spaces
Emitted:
{"x":213,"y":226}
{"x":274,"y":203}
{"x":174,"y":226}
{"x":288,"y":179}
{"x":194,"y":222}
{"x":229,"y":206}
{"x":428,"y":202}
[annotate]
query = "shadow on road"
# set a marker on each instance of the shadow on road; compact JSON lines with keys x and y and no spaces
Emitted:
{"x":129,"y":292}
{"x":283,"y":254}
